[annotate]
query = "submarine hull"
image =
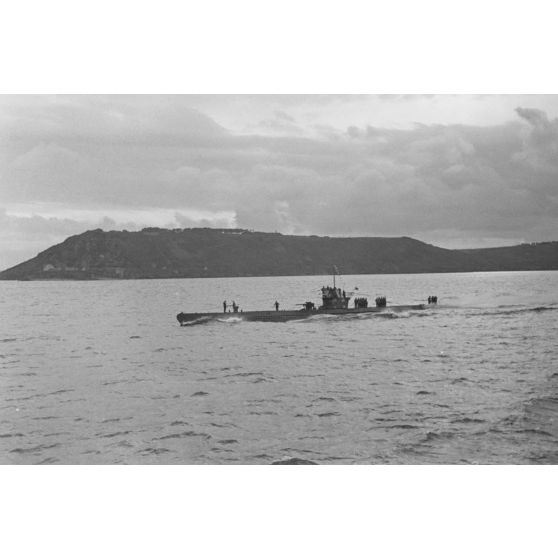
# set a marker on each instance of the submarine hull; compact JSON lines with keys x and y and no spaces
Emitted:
{"x":289,"y":315}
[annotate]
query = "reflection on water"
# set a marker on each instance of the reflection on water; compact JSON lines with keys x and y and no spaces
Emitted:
{"x":101,"y":372}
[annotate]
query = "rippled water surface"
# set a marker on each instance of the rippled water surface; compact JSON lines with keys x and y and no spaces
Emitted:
{"x":101,"y":372}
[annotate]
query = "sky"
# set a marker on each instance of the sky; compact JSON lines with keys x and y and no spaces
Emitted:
{"x":457,"y":171}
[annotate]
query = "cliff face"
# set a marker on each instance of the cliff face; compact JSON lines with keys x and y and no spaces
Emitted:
{"x":161,"y":253}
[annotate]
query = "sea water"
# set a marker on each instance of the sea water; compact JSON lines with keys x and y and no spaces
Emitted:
{"x":101,"y":372}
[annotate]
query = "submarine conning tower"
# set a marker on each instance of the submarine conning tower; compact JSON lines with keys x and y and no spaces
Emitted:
{"x":334,"y":298}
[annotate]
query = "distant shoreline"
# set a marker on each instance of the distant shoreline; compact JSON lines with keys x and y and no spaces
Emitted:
{"x":222,"y":253}
{"x":120,"y":279}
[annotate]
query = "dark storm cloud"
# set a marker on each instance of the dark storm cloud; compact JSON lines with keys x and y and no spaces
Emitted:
{"x":156,"y":153}
{"x":535,"y":117}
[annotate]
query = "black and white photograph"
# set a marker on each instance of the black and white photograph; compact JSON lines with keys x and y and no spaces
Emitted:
{"x":262,"y":279}
{"x":235,"y":276}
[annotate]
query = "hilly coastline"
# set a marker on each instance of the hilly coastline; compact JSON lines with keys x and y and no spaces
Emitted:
{"x":162,"y":253}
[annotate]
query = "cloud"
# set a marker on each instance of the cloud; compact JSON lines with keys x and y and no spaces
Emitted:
{"x":535,"y":117}
{"x":540,"y":148}
{"x":155,"y":161}
{"x":121,"y":118}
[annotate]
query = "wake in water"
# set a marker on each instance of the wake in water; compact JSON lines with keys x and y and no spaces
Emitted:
{"x":206,"y":320}
{"x":232,"y":320}
{"x":510,"y":310}
{"x":199,"y":321}
{"x":527,"y":310}
{"x":385,"y":315}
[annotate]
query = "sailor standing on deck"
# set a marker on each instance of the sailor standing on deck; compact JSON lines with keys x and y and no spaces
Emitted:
{"x":276,"y":306}
{"x":225,"y":306}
